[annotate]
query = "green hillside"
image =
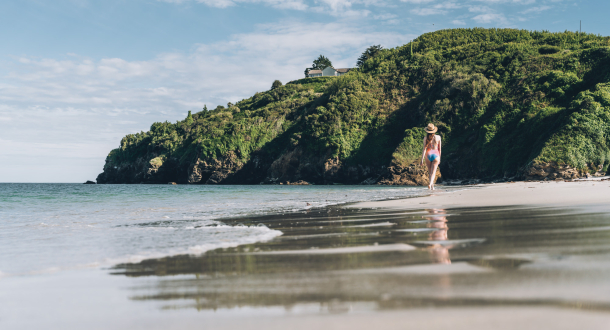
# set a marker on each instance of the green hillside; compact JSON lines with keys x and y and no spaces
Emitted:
{"x":508,"y":103}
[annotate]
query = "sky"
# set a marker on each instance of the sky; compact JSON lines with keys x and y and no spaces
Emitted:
{"x":78,"y":75}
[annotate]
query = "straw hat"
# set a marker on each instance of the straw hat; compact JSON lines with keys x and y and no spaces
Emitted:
{"x":431,"y":128}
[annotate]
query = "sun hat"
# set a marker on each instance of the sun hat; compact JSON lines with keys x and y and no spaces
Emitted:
{"x":431,"y":128}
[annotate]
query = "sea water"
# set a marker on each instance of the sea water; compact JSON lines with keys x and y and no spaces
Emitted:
{"x":47,"y":228}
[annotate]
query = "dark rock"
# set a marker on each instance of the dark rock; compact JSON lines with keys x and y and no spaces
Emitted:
{"x":298,"y":183}
{"x":89,"y":182}
{"x":552,"y":171}
{"x":218,"y":177}
{"x":411,"y":175}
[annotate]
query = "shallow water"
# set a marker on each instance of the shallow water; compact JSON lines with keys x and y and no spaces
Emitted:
{"x":47,"y":228}
{"x":503,"y":267}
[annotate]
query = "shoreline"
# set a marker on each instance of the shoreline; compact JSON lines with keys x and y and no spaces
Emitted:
{"x":519,"y":193}
{"x":385,"y":266}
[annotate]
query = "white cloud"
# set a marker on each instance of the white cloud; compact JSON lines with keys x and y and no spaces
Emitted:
{"x":217,"y":3}
{"x":417,"y":1}
{"x":87,"y":105}
{"x":490,"y":18}
{"x":448,"y":5}
{"x":489,"y":15}
{"x":337,"y":5}
{"x":458,"y":22}
{"x":507,"y":1}
{"x":479,"y":9}
{"x":385,"y":16}
{"x":536,"y":10}
{"x":438,"y":9}
{"x":333,"y":7}
{"x":282,"y":4}
{"x":428,"y":11}
{"x":388,"y":18}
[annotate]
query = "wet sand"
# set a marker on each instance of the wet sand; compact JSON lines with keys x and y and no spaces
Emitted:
{"x":519,"y":262}
{"x":487,"y":257}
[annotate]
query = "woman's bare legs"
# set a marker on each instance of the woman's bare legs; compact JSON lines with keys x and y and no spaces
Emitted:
{"x":434,"y":166}
{"x":429,"y":166}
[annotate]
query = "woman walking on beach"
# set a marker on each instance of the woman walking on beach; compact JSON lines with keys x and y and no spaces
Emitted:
{"x":431,"y":153}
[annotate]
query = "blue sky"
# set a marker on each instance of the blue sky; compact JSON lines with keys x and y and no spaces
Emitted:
{"x":77,"y":75}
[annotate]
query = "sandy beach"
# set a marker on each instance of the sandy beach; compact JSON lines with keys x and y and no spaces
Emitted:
{"x":549,"y":193}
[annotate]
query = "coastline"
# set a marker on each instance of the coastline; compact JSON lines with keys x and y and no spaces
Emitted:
{"x":520,"y":193}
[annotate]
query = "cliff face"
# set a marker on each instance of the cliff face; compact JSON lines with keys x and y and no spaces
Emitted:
{"x":292,"y":167}
{"x":509,"y":104}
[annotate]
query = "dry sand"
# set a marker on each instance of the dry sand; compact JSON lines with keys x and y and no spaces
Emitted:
{"x":506,"y":194}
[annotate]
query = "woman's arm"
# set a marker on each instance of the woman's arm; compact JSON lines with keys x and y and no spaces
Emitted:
{"x":439,"y":147}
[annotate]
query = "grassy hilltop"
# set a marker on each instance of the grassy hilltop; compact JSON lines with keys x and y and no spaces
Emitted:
{"x":508,"y":103}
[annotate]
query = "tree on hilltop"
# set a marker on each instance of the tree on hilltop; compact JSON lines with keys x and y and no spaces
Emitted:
{"x":321,"y":63}
{"x":276,"y":84}
{"x":368,"y":53}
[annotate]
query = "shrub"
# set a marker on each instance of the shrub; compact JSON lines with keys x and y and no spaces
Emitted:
{"x":547,"y":49}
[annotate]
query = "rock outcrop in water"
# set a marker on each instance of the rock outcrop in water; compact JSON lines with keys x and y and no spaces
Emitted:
{"x":508,"y":103}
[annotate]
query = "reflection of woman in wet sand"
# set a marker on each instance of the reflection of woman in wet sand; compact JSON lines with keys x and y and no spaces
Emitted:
{"x":431,"y":153}
{"x":438,"y":221}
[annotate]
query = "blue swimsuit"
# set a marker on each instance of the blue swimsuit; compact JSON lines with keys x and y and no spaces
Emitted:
{"x":433,"y":154}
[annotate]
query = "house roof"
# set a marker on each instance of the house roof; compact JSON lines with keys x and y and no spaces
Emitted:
{"x":343,"y":70}
{"x":315,"y":71}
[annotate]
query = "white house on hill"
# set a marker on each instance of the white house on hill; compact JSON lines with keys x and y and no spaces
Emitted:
{"x":314,"y":73}
{"x":328,"y":71}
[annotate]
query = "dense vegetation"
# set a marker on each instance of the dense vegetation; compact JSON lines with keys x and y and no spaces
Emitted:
{"x":503,"y":99}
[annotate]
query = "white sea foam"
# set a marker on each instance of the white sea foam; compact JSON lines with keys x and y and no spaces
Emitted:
{"x":254,"y":235}
{"x":233,"y":236}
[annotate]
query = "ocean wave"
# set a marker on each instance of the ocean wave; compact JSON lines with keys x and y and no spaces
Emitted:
{"x":237,"y":235}
{"x":265,"y":234}
{"x":241,"y":235}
